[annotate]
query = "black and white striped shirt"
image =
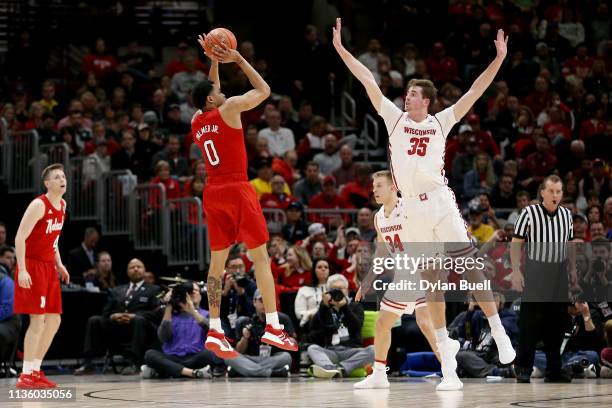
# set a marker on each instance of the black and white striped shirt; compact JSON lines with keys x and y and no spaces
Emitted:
{"x":541,"y":229}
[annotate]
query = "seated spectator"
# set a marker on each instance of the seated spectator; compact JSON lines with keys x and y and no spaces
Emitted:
{"x":280,"y":139}
{"x":479,"y":230}
{"x":257,"y":359}
{"x":502,"y":195}
{"x":328,"y":199}
{"x":357,"y":192}
{"x":478,"y":357}
{"x":99,"y":61}
{"x":10,"y":324}
{"x":77,"y":125}
{"x":145,"y":143}
{"x":365,"y":223}
{"x":348,"y":169}
{"x":310,"y":296}
{"x":182,"y":333}
{"x":183,"y":82}
{"x":371,"y":57}
{"x":137,"y":62}
{"x":81,"y":260}
{"x":174,"y":123}
{"x":237,"y":292}
{"x":462,"y":163}
{"x":597,"y":231}
{"x":581,"y":229}
{"x":277,"y":197}
{"x":162,"y":176}
{"x":329,"y":159}
{"x":286,"y":167}
{"x":48,"y":100}
{"x":178,"y":64}
{"x":102,"y":276}
{"x":489,"y":215}
{"x":522,"y":201}
{"x":129,"y":315}
{"x":598,"y":182}
{"x":594,"y":214}
{"x":179,"y":167}
{"x":2,"y":233}
{"x":263,"y":182}
{"x":440,"y":66}
{"x":335,"y":332}
{"x":296,"y":271}
{"x":7,"y":260}
{"x":313,"y":143}
{"x":486,"y":142}
{"x":480,"y":179}
{"x":97,"y":163}
{"x":98,"y":134}
{"x":310,"y":185}
{"x":540,"y":98}
{"x":130,"y":158}
{"x":296,"y":228}
{"x":538,"y":165}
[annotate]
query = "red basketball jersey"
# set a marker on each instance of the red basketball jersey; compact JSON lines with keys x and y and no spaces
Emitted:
{"x":42,"y":242}
{"x":222,"y":147}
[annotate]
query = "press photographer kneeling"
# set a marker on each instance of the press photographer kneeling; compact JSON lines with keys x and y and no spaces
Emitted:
{"x":183,"y":333}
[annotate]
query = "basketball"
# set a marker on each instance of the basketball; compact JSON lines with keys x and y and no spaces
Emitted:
{"x":219,"y":36}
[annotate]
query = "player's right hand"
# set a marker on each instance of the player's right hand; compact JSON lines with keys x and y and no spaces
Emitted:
{"x":337,"y":34}
{"x":25,"y":281}
{"x":225,"y":54}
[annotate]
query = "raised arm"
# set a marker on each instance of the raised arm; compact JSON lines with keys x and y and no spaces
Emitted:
{"x":481,"y":84}
{"x":361,"y":72}
{"x":213,"y":74}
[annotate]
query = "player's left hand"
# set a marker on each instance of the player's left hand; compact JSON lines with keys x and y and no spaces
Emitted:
{"x":201,"y":41}
{"x":501,"y":44}
{"x":64,"y":275}
{"x":226,"y":54}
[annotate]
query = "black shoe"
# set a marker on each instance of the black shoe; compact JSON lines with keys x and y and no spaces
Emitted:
{"x":232,"y":373}
{"x":522,"y":376}
{"x":132,"y":369}
{"x":282,"y":372}
{"x":561,"y":377}
{"x":507,"y":372}
{"x":85,"y":369}
{"x":219,"y":371}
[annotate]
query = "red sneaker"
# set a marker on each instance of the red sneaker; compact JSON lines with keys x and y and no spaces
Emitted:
{"x":218,"y":344}
{"x":29,"y":381}
{"x":40,"y":375}
{"x":279,"y":338}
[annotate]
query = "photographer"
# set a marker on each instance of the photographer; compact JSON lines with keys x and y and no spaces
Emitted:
{"x":257,"y":359}
{"x":597,"y":281}
{"x":238,"y":290}
{"x":336,"y":333}
{"x":182,"y":333}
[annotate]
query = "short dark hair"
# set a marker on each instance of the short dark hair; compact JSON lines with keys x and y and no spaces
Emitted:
{"x":6,"y":248}
{"x":232,"y":257}
{"x":47,"y":171}
{"x":200,"y":93}
{"x":313,"y":164}
{"x":553,"y":178}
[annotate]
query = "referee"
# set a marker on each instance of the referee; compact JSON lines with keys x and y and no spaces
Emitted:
{"x":546,"y":227}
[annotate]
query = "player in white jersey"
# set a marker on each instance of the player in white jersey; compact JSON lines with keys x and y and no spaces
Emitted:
{"x":417,"y":143}
{"x":390,"y":224}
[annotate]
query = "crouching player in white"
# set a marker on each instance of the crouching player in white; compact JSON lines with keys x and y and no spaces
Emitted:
{"x":391,"y":231}
{"x":417,"y":143}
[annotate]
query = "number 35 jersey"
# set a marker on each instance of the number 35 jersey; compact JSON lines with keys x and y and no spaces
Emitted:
{"x":416,"y":149}
{"x":222,"y":147}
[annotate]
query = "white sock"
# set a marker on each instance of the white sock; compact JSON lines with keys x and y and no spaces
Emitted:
{"x":272,"y":319}
{"x":215,"y":324}
{"x":441,"y":335}
{"x":36,"y":365}
{"x":496,"y":324}
{"x":380,"y":367}
{"x":27,"y":367}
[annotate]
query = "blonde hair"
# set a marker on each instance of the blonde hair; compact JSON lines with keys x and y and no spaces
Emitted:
{"x":383,"y":173}
{"x":303,"y":256}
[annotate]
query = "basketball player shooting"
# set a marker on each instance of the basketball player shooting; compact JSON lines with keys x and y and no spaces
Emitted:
{"x":38,"y":292}
{"x":230,"y":202}
{"x":417,"y":143}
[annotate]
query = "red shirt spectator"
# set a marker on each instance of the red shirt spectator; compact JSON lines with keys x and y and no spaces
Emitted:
{"x":173,"y":188}
{"x":441,"y":67}
{"x":100,"y":62}
{"x":286,"y":167}
{"x":178,"y":65}
{"x":328,"y":199}
{"x":277,"y":198}
{"x":581,"y":59}
{"x":357,"y":193}
{"x":541,"y":163}
{"x":486,"y":143}
{"x":541,"y":98}
{"x":590,"y":127}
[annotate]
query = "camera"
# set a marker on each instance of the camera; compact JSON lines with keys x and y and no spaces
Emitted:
{"x":336,"y":295}
{"x":599,"y":265}
{"x":241,"y":280}
{"x":179,"y":295}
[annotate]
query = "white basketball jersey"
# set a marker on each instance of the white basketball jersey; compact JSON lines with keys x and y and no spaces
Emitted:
{"x":417,"y":148}
{"x":393,"y":228}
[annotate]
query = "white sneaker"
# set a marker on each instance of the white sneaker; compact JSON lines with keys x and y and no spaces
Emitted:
{"x":506,"y":352}
{"x":451,"y":383}
{"x":537,"y":373}
{"x":448,"y":352}
{"x":606,"y":372}
{"x":320,"y":372}
{"x":147,"y":372}
{"x":378,"y":379}
{"x":202,"y":373}
{"x":590,"y":371}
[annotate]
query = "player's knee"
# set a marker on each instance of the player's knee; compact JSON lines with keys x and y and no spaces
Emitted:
{"x":385,"y":322}
{"x":53,"y":319}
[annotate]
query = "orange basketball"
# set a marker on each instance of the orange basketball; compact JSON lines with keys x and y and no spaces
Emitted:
{"x":219,"y":36}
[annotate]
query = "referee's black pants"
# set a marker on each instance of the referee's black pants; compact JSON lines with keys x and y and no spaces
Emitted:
{"x":543,"y":315}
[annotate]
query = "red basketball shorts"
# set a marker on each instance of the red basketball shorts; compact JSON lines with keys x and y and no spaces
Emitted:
{"x":45,"y":292}
{"x":234,"y":215}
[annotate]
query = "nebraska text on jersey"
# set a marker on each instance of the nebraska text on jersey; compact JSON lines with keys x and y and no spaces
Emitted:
{"x":53,"y":226}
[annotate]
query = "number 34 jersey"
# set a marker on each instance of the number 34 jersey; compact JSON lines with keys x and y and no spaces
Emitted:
{"x":393,"y":229}
{"x":222,"y":147}
{"x":416,"y":149}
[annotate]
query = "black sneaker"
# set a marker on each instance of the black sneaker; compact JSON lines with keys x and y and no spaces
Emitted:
{"x":522,"y":376}
{"x":132,"y":369}
{"x":561,"y":377}
{"x":85,"y":369}
{"x":282,"y":372}
{"x":219,"y":371}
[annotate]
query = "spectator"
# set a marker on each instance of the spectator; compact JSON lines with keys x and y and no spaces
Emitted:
{"x":296,"y":228}
{"x":92,"y":85}
{"x":238,"y":290}
{"x":182,"y":333}
{"x":257,"y":359}
{"x":98,"y":135}
{"x":48,"y":100}
{"x":263,"y":183}
{"x":178,"y":64}
{"x":522,"y":201}
{"x":179,"y":167}
{"x":286,"y":167}
{"x":99,"y":61}
{"x":81,"y":260}
{"x":329,"y":199}
{"x":7,"y":260}
{"x":313,"y":143}
{"x":479,"y":230}
{"x":10,"y":324}
{"x":538,"y":165}
{"x":162,"y":176}
{"x":348,"y":169}
{"x":280,"y":139}
{"x":129,"y":315}
{"x":310,"y":185}
{"x":183,"y":82}
{"x":295,"y":273}
{"x":594,"y":214}
{"x":440,"y":66}
{"x":481,"y":178}
{"x":309,"y":297}
{"x":365,"y":223}
{"x":336,"y":333}
{"x":173,"y":122}
{"x":597,"y":231}
{"x":371,"y":57}
{"x":598,"y":182}
{"x":540,"y":98}
{"x":357,"y":192}
{"x":98,"y":162}
{"x":329,"y":159}
{"x":145,"y":144}
{"x":2,"y":233}
{"x":79,"y":127}
{"x":137,"y":61}
{"x":502,"y":195}
{"x":580,"y":227}
{"x":102,"y":276}
{"x":130,"y":158}
{"x":276,"y":198}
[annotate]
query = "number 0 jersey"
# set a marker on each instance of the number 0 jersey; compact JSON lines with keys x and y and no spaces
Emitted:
{"x":42,"y":241}
{"x":222,"y":147}
{"x":416,"y":148}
